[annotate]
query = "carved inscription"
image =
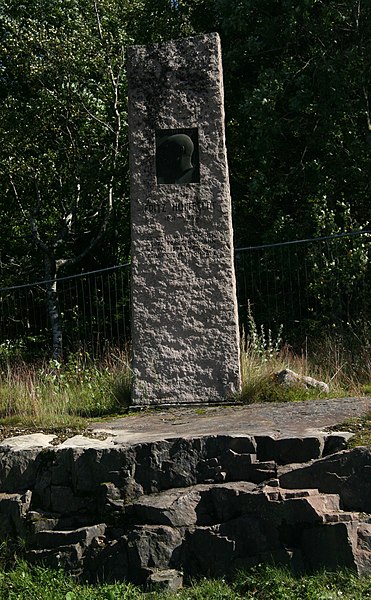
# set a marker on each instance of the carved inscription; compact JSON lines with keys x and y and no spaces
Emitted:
{"x":172,"y":210}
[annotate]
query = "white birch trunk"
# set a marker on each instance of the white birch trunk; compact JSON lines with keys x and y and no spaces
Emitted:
{"x":53,"y":307}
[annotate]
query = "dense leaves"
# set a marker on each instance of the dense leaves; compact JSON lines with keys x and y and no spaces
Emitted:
{"x":297,"y":115}
{"x":297,"y":103}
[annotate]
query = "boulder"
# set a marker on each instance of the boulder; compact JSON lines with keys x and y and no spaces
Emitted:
{"x":330,"y":546}
{"x":54,"y":539}
{"x":108,"y":562}
{"x":289,"y":378}
{"x":152,"y":547}
{"x":13,"y":512}
{"x":165,"y":580}
{"x":68,"y":558}
{"x":205,"y":505}
{"x":176,"y":507}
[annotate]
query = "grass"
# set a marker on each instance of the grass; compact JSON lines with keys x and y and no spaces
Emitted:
{"x":361,"y":427}
{"x":54,"y":397}
{"x":262,"y":583}
{"x":328,"y":363}
{"x":61,"y":398}
{"x":340,"y":358}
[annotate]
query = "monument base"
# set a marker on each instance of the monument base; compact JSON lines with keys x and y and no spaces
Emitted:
{"x":135,"y":408}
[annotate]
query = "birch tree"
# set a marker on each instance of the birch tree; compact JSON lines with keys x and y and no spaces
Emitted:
{"x":62,"y":157}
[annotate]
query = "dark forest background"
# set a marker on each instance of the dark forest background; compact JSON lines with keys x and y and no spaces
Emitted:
{"x":297,"y":99}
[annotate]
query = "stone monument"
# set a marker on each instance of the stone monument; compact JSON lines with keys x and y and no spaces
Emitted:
{"x":184,"y":310}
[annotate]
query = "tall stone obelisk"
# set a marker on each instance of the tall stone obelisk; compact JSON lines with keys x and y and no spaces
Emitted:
{"x":184,"y":310}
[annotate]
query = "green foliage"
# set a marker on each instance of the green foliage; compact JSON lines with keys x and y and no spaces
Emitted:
{"x":274,"y":583}
{"x":298,"y":131}
{"x":297,"y":116}
{"x":338,"y":358}
{"x":260,"y":342}
{"x":263,"y":388}
{"x":26,"y":583}
{"x":360,"y":427}
{"x":12,"y":350}
{"x":58,"y":125}
{"x":56,"y":394}
{"x":260,"y":583}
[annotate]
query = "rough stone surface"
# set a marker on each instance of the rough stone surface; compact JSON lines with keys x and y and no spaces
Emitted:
{"x":168,"y":580}
{"x":53,"y":539}
{"x":281,"y":450}
{"x":206,"y":504}
{"x":275,"y":419}
{"x":289,"y":378}
{"x":13,"y":511}
{"x":347,"y":473}
{"x":331,"y":547}
{"x":184,"y":324}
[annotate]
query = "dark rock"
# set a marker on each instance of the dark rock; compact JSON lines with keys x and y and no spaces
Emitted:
{"x":64,"y":501}
{"x":165,"y":580}
{"x":61,"y":467}
{"x":90,"y":467}
{"x":202,"y":505}
{"x":310,"y":509}
{"x":68,"y":558}
{"x":18,"y":469}
{"x":207,"y":553}
{"x":288,"y":450}
{"x":347,"y":473}
{"x":108,"y":562}
{"x":330,"y":546}
{"x":176,"y":507}
{"x":41,"y":521}
{"x":262,"y":471}
{"x":364,"y":536}
{"x":237,"y":466}
{"x":13,"y":512}
{"x":337,"y":441}
{"x":153,"y":547}
{"x":54,"y":539}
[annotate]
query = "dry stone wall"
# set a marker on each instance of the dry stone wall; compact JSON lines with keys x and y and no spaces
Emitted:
{"x":163,"y":512}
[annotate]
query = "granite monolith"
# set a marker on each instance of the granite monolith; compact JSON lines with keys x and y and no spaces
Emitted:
{"x":184,"y":310}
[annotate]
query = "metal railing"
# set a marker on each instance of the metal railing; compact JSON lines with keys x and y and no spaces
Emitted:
{"x":304,"y":285}
{"x":94,"y":310}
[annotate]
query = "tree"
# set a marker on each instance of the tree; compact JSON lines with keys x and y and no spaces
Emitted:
{"x":64,"y":161}
{"x":63,"y":123}
{"x":298,"y":116}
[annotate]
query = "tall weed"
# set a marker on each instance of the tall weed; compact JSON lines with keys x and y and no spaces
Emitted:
{"x":55,"y":393}
{"x":342,"y":361}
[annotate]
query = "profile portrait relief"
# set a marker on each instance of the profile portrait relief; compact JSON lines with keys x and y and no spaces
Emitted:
{"x":177,"y":157}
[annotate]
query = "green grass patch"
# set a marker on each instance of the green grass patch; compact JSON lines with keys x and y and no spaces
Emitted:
{"x":272,"y":583}
{"x":262,"y":583}
{"x":57,"y":397}
{"x":361,"y":427}
{"x":339,"y":359}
